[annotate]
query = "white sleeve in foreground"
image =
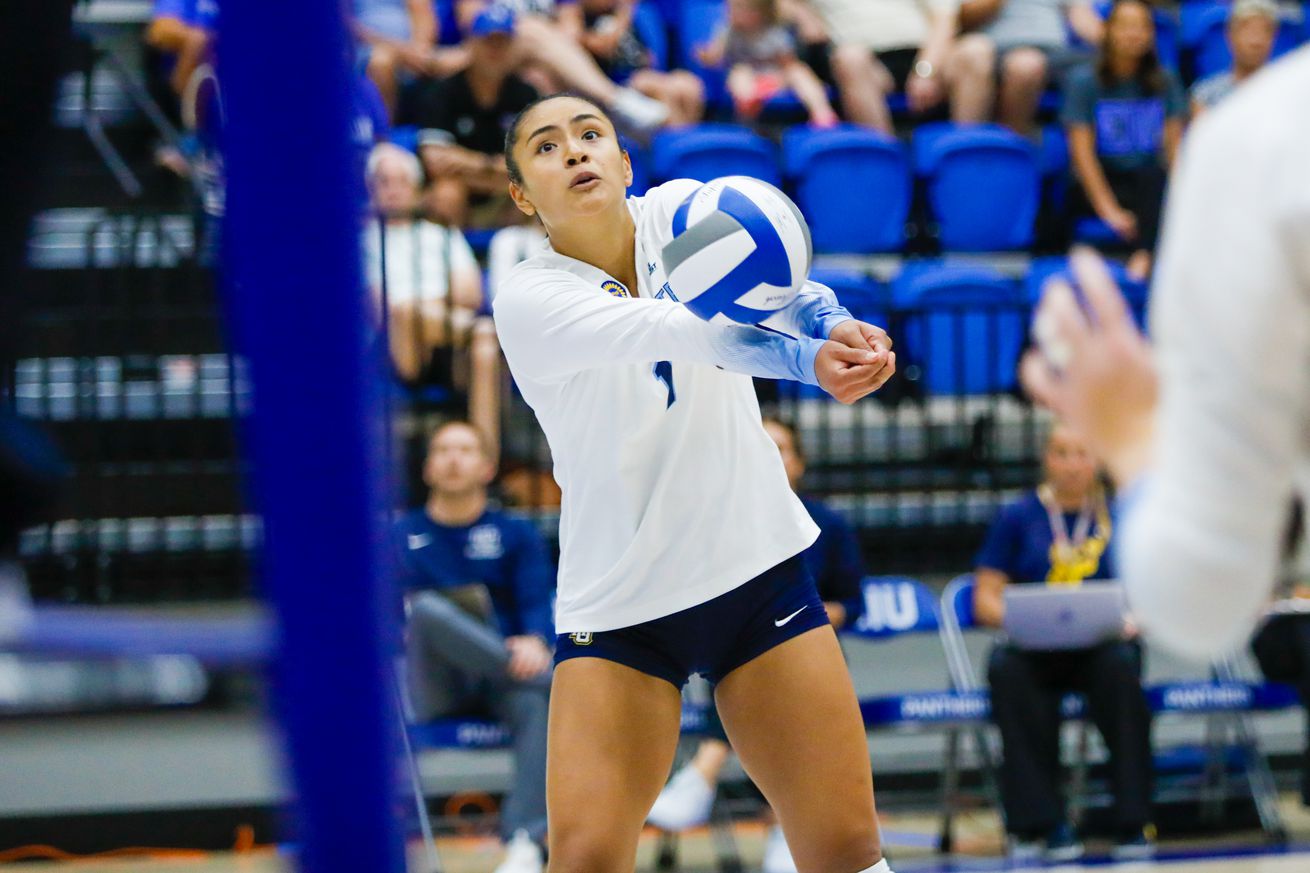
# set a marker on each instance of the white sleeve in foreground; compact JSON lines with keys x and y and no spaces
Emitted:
{"x":552,"y":325}
{"x":1231,"y":318}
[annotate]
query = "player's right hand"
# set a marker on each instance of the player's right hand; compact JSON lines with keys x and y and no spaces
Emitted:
{"x":849,"y":374}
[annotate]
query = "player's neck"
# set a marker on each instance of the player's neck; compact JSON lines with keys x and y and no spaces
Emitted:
{"x":457,"y":509}
{"x":606,"y":242}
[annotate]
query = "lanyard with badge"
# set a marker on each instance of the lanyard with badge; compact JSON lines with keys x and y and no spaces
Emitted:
{"x":1077,"y":556}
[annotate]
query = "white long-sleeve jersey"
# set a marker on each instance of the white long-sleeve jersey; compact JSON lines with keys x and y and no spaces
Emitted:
{"x":1230,"y":314}
{"x":673,"y":493}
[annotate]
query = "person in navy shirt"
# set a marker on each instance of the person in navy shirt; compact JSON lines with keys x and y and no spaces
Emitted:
{"x":478,"y":590}
{"x":1060,"y":534}
{"x":835,"y":562}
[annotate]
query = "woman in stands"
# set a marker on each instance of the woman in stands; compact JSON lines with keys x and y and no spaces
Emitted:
{"x":1124,"y":117}
{"x":680,"y":536}
{"x":1059,"y":534}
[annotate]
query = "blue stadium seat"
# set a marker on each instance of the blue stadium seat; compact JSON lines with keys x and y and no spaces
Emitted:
{"x":983,"y":186}
{"x":864,"y":296}
{"x":962,"y":327}
{"x":852,"y":184}
{"x":707,"y":151}
{"x":648,"y":23}
{"x":1204,"y":32}
{"x":698,"y":21}
{"x":405,"y":136}
{"x":447,"y":26}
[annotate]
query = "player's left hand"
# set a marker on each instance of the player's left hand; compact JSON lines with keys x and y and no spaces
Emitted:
{"x":1093,"y":367}
{"x":528,"y":657}
{"x":856,"y":334}
{"x":861,"y":335}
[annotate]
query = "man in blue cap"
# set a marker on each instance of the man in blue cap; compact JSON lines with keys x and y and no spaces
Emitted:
{"x":462,"y":122}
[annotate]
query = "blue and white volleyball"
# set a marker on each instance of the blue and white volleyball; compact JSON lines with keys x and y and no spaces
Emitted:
{"x":740,"y":250}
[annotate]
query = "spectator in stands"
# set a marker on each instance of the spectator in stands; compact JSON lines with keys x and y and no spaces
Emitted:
{"x":1059,"y":534}
{"x":478,"y":590}
{"x":547,"y":38}
{"x":462,"y":121}
{"x":508,"y":247}
{"x":1252,"y":27}
{"x":433,"y":291}
{"x":909,"y":46}
{"x":838,"y":568}
{"x":399,"y":38}
{"x":607,"y":33}
{"x":1124,"y":117}
{"x":1033,"y":46}
{"x":760,"y":56}
{"x":181,"y":31}
{"x":1282,"y":645}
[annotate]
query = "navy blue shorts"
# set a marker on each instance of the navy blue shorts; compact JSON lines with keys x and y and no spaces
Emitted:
{"x":712,"y":638}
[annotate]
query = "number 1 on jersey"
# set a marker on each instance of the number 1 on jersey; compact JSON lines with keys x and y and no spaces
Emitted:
{"x":664,"y":373}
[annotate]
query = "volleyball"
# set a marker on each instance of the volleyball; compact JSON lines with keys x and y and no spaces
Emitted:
{"x":740,"y":250}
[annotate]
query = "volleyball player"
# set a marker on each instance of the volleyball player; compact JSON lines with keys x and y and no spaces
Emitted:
{"x":680,"y":536}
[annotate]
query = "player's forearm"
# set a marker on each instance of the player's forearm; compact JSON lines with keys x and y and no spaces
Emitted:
{"x":814,"y":313}
{"x":557,"y":335}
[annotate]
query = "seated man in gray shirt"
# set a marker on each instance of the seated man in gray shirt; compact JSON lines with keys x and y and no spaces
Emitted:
{"x":1252,"y":27}
{"x":1031,"y":44}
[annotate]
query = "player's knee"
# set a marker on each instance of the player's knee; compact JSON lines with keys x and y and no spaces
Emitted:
{"x":853,"y":65}
{"x":486,"y":347}
{"x":577,"y":853}
{"x":974,"y":55}
{"x":381,"y":63}
{"x":1024,"y":68}
{"x":853,"y":851}
{"x":430,"y":608}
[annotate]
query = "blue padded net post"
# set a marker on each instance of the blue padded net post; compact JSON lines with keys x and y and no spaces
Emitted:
{"x":293,"y":276}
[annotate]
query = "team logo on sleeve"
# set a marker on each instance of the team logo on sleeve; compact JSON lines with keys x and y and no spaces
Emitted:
{"x":581,"y":639}
{"x":615,"y":289}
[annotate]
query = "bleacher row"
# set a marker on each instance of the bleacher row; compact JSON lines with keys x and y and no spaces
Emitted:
{"x":896,"y":607}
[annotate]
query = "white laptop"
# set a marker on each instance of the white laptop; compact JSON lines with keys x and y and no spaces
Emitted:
{"x":1064,"y":616}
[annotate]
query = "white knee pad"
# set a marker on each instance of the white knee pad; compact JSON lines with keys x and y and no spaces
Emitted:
{"x":880,"y":867}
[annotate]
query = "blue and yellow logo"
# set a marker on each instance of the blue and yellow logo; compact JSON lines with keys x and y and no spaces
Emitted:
{"x":615,"y":289}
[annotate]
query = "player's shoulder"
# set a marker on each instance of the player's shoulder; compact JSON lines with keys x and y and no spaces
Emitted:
{"x":525,"y":285}
{"x":665,"y":196}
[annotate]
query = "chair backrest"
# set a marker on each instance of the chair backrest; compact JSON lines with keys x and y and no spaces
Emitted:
{"x":698,"y":22}
{"x":707,"y":151}
{"x":963,"y":327}
{"x":895,"y":605}
{"x":957,"y":616}
{"x":983,"y":187}
{"x":853,"y":185}
{"x":648,"y":24}
{"x":865,"y":297}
